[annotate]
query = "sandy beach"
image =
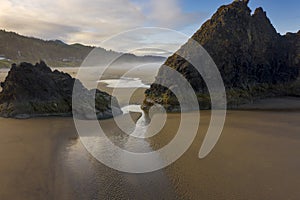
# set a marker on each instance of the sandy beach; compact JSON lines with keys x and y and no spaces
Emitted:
{"x":29,"y":156}
{"x":255,"y":158}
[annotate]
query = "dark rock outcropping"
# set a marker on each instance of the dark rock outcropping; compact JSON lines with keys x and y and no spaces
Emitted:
{"x":253,"y":59}
{"x":293,"y":40}
{"x":35,"y":90}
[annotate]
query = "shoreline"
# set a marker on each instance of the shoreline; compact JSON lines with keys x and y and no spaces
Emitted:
{"x":259,"y":106}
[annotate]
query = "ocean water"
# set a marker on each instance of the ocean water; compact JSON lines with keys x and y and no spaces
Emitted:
{"x":125,"y":82}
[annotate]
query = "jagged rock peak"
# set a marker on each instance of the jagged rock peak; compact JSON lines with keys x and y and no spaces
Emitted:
{"x":253,"y":59}
{"x":260,"y":11}
{"x":243,"y":1}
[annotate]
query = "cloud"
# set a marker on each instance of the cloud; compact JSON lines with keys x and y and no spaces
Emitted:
{"x":74,"y":21}
{"x":90,"y":22}
{"x":38,"y":28}
{"x":169,"y":14}
{"x":156,"y":41}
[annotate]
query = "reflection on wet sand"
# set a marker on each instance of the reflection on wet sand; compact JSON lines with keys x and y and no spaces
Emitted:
{"x":255,"y":158}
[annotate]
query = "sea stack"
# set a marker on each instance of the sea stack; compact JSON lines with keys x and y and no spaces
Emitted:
{"x":254,"y":60}
{"x":35,"y":90}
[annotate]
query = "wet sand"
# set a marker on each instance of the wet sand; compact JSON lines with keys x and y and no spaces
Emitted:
{"x":255,"y":158}
{"x":29,"y":152}
{"x":43,"y":159}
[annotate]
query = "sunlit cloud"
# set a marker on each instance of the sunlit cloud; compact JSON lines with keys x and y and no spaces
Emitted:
{"x":89,"y":22}
{"x":168,"y":14}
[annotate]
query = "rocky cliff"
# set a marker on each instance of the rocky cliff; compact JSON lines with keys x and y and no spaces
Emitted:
{"x":253,"y":59}
{"x":35,"y":90}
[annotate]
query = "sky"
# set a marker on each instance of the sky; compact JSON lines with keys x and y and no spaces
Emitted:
{"x":92,"y":21}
